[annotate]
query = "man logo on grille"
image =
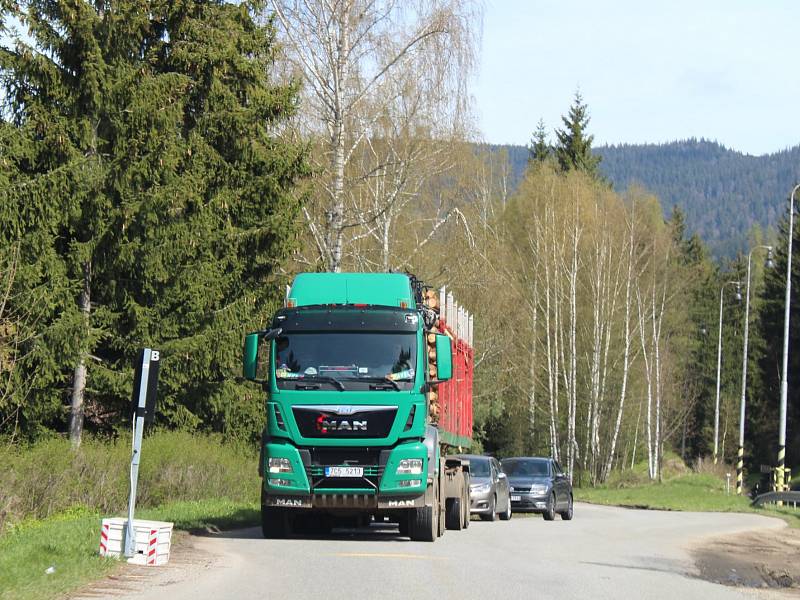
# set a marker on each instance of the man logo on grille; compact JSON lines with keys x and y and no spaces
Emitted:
{"x":326,"y":424}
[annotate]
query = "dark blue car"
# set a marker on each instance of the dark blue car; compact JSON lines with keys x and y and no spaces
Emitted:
{"x":539,"y":485}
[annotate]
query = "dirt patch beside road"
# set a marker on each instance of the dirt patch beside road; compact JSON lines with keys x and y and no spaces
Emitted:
{"x":757,"y":559}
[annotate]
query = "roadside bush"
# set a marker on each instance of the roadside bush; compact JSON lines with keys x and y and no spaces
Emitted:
{"x":671,"y":467}
{"x":49,"y":478}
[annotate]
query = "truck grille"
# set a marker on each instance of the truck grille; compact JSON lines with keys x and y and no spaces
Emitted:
{"x":344,"y":421}
{"x":372,"y":461}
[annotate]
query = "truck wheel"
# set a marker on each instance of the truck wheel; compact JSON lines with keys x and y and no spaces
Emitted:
{"x":402,"y":524}
{"x":454,"y":518}
{"x":423,"y":522}
{"x":274,"y":522}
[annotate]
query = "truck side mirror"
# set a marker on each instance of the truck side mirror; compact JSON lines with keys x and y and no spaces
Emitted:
{"x":444,"y":358}
{"x":250,"y":353}
{"x":250,"y":356}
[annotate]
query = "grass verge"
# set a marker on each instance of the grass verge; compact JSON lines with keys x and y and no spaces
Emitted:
{"x":688,"y":492}
{"x":68,"y":543}
{"x":52,"y":499}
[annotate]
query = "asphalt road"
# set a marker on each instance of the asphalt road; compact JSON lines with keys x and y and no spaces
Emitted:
{"x":604,"y":552}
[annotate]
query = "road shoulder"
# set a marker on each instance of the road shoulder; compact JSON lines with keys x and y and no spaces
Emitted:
{"x":764,"y":558}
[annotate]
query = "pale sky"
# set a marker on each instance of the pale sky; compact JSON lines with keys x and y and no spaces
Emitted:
{"x":650,"y":70}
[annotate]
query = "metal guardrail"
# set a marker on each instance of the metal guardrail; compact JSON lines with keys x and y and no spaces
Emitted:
{"x":787,"y":497}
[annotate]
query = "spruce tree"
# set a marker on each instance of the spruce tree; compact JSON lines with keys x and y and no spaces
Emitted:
{"x":540,"y":150}
{"x":573,"y":149}
{"x":166,"y":196}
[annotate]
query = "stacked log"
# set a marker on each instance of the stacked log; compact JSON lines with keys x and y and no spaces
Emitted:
{"x":434,"y":409}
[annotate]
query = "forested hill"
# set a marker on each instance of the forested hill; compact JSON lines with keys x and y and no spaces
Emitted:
{"x":723,"y":192}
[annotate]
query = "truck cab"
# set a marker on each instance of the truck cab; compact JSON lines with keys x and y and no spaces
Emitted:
{"x":346,"y":367}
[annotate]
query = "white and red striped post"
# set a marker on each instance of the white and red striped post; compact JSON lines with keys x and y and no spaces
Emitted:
{"x":104,"y":540}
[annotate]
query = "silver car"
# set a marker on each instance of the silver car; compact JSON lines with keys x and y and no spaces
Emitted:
{"x":488,"y":490}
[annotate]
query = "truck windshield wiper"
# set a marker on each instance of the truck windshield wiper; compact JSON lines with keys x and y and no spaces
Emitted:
{"x":321,"y":379}
{"x":377,"y":380}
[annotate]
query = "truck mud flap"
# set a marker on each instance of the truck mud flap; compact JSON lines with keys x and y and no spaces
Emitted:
{"x":415,"y":502}
{"x":288,"y":501}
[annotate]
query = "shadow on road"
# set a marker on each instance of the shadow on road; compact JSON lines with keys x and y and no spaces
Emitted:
{"x":375,"y":532}
{"x":665,"y":566}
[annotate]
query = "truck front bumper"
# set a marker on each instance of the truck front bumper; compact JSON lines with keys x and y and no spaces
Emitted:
{"x":306,"y":485}
{"x":344,"y":501}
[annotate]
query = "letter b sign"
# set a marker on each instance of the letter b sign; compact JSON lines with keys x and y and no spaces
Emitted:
{"x":145,"y":383}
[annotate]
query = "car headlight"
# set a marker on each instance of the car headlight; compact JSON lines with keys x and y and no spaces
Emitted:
{"x":480,"y":488}
{"x":410,"y":466}
{"x":539,"y":489}
{"x":279,"y":465}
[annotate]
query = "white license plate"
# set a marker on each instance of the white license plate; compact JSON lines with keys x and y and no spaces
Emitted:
{"x":516,"y":498}
{"x":344,"y":471}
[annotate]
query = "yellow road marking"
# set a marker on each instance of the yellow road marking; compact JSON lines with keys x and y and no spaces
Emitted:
{"x":385,"y":555}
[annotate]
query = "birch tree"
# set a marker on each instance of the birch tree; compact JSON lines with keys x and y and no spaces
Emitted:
{"x":365,"y":63}
{"x":626,"y":337}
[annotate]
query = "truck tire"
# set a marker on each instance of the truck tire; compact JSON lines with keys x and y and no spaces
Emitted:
{"x":423,"y":522}
{"x":274,"y":522}
{"x":402,"y":524}
{"x":454,"y":518}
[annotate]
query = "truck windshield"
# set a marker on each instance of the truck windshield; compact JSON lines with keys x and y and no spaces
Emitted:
{"x":346,"y":356}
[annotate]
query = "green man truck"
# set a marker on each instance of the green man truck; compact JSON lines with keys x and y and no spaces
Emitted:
{"x":368,"y":381}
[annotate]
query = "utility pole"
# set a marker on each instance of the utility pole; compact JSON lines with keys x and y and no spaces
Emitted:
{"x":719,"y":361}
{"x":785,"y":367}
{"x":742,"y":405}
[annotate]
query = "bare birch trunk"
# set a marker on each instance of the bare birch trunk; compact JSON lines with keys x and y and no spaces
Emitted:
{"x":533,"y":364}
{"x":79,"y":375}
{"x":649,"y":382}
{"x":573,"y":372}
{"x":609,"y":465}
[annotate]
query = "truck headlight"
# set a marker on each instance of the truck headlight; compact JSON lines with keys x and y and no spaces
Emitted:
{"x":539,"y":489}
{"x":480,"y":488}
{"x":410,"y":466}
{"x":283,"y":482}
{"x":279,"y":465}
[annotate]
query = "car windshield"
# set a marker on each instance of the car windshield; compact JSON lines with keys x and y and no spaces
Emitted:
{"x":345,"y":356}
{"x":478,"y":467}
{"x":526,"y":467}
